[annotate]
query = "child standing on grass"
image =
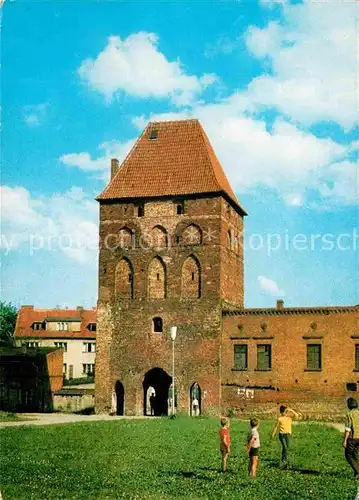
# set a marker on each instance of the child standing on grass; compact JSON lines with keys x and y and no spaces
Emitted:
{"x":224,"y":442}
{"x":253,"y":445}
{"x":284,"y":423}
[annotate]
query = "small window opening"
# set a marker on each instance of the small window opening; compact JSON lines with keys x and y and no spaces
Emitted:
{"x":141,"y":211}
{"x":130,"y":277}
{"x":179,"y":209}
{"x":158,"y":276}
{"x":153,"y":134}
{"x":192,"y":276}
{"x":351,"y":387}
{"x":157,"y":325}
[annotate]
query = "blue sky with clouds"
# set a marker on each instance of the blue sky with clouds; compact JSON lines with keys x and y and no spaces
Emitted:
{"x":274,"y":85}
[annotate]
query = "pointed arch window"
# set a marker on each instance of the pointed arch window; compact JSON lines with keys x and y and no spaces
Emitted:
{"x":124,"y":279}
{"x":125,"y":236}
{"x":157,"y":279}
{"x":191,"y":278}
{"x":159,"y":237}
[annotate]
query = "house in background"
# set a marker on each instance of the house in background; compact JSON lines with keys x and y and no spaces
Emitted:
{"x":29,"y":378}
{"x":72,"y":330}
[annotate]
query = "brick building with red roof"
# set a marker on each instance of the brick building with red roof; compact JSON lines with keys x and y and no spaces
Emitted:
{"x":73,"y":330}
{"x":171,"y":254}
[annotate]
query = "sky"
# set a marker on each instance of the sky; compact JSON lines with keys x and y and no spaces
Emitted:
{"x":273,"y":83}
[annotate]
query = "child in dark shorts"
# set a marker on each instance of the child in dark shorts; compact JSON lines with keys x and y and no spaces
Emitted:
{"x":253,"y":446}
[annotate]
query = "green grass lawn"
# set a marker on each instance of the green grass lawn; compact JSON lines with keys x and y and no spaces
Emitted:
{"x":167,"y":459}
{"x":11,"y":417}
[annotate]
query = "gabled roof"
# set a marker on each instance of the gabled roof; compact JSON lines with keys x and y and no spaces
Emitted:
{"x":28,"y":316}
{"x":178,"y":161}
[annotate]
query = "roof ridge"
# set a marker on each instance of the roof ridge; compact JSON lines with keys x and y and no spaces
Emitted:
{"x":205,"y":142}
{"x":125,"y":161}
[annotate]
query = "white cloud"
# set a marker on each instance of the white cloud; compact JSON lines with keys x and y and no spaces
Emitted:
{"x":291,"y":162}
{"x":65,"y":222}
{"x":313,"y":59}
{"x":101,"y":164}
{"x":35,"y":114}
{"x":270,"y":287}
{"x":136,"y":66}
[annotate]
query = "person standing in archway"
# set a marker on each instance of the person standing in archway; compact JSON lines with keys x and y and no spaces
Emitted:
{"x":152,"y":403}
{"x":195,"y":407}
{"x":351,"y":436}
{"x":113,"y":403}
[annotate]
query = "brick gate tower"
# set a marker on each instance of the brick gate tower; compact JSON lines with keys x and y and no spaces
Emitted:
{"x":171,"y":254}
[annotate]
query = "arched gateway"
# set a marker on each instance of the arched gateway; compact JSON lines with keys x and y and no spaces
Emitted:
{"x":158,"y":380}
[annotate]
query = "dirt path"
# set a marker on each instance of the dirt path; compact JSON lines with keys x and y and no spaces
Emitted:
{"x":60,"y":418}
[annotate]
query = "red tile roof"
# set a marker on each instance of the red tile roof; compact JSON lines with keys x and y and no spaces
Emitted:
{"x":179,"y":161}
{"x":325,"y":310}
{"x":28,"y":316}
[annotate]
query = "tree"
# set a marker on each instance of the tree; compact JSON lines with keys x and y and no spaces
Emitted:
{"x":8,"y":315}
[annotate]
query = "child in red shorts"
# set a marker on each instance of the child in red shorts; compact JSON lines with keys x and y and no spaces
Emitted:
{"x":224,"y":442}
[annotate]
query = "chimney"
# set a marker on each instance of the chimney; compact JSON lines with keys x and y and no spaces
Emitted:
{"x":280,"y":304}
{"x":114,"y":167}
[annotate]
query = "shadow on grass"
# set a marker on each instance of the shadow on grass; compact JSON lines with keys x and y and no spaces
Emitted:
{"x":274,"y":464}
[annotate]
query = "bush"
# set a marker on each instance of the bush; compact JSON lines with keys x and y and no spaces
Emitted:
{"x":231,"y":413}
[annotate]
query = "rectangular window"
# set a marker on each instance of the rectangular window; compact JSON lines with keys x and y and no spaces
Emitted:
{"x":241,"y":357}
{"x":89,"y":347}
{"x":88,"y":368}
{"x":64,"y":369}
{"x":32,"y":344}
{"x":61,"y":345}
{"x":314,"y":357}
{"x":357,"y":357}
{"x":264,"y":357}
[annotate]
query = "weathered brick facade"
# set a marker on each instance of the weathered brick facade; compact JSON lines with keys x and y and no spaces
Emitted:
{"x":171,"y":253}
{"x":293,"y":376}
{"x":182,"y":283}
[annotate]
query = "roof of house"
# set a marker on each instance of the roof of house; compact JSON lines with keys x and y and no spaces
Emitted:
{"x":28,"y":316}
{"x":179,"y":160}
{"x":272,"y":311}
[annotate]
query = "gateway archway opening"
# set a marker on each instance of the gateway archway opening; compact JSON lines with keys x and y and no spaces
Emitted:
{"x":156,"y":384}
{"x":119,"y":403}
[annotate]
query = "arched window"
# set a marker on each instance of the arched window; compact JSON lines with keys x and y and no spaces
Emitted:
{"x":124,"y":279}
{"x":157,"y":280}
{"x":125,"y":238}
{"x":191,"y":278}
{"x":192,"y":235}
{"x":159,"y":237}
{"x":179,"y":209}
{"x":157,"y":325}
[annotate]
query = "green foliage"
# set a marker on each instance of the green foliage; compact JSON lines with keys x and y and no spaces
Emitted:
{"x":81,"y":380}
{"x":231,"y":413}
{"x":152,"y":459}
{"x":8,"y":315}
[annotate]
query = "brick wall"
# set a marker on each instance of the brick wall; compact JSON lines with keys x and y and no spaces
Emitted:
{"x":290,"y":379}
{"x":179,"y":273}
